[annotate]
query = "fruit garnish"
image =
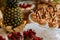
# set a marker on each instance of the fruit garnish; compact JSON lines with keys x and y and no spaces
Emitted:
{"x":39,"y":38}
{"x":18,"y":33}
{"x":14,"y":33}
{"x":35,"y":38}
{"x":25,"y":33}
{"x":30,"y":34}
{"x":29,"y":5}
{"x":30,"y":30}
{"x":25,"y":5}
{"x":9,"y":36}
{"x":14,"y":36}
{"x":1,"y":38}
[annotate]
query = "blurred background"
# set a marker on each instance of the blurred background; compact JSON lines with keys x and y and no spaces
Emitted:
{"x":2,"y":2}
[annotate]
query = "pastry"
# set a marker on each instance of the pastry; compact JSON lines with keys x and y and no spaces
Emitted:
{"x":58,"y":14}
{"x":58,"y":21}
{"x":52,"y":23}
{"x":42,"y":22}
{"x":34,"y":17}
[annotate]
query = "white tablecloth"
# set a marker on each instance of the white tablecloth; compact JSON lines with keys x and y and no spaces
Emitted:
{"x":45,"y":33}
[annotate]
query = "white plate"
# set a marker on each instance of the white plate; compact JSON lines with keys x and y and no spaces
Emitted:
{"x":46,"y":34}
{"x":26,"y":3}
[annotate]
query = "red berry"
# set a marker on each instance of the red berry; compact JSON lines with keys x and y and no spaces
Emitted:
{"x":18,"y":33}
{"x":19,"y":5}
{"x":34,"y":33}
{"x":39,"y":38}
{"x":17,"y":36}
{"x":31,"y":34}
{"x":30,"y":30}
{"x":28,"y":5}
{"x":9,"y":36}
{"x":25,"y":33}
{"x":35,"y":38}
{"x":13,"y":38}
{"x":1,"y":37}
{"x":14,"y":34}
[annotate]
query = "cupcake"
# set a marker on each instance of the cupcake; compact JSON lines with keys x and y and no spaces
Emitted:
{"x":58,"y":25}
{"x":52,"y":23}
{"x":34,"y":17}
{"x":42,"y":22}
{"x":58,"y":21}
{"x":58,"y":13}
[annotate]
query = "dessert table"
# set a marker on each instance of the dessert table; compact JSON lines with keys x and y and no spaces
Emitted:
{"x":46,"y":34}
{"x":41,"y":31}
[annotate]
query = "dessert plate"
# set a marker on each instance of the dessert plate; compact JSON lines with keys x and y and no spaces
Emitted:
{"x":46,"y":34}
{"x":29,"y":8}
{"x":45,"y":26}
